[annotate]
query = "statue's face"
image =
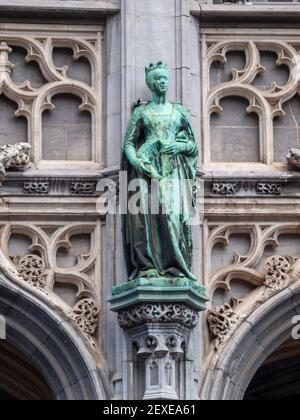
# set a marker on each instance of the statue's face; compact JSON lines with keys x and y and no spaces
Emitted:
{"x":160,"y":82}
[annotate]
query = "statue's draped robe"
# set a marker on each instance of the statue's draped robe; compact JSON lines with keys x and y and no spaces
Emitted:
{"x":160,"y":245}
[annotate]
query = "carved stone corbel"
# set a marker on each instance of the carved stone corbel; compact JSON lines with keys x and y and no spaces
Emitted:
{"x":161,"y":347}
{"x":221,"y":321}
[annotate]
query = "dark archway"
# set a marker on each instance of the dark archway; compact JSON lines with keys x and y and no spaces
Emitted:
{"x":266,"y":329}
{"x":19,"y":378}
{"x":279,"y":376}
{"x":51,"y":344}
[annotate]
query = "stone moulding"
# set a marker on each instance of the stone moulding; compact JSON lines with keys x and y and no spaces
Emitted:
{"x":163,"y":312}
{"x":183,"y":291}
{"x":22,"y":184}
{"x":83,"y":188}
{"x":268,"y":189}
{"x":229,"y":188}
{"x":36,"y":188}
{"x":66,"y":6}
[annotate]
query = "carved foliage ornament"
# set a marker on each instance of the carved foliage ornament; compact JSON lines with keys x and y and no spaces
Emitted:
{"x":86,"y":315}
{"x":221,"y":321}
{"x":83,"y":188}
{"x":147,"y":313}
{"x":268,"y":189}
{"x":225,"y":188}
{"x":233,"y":188}
{"x":32,"y":269}
{"x":14,"y":156}
{"x":36,"y":187}
{"x":277,"y":270}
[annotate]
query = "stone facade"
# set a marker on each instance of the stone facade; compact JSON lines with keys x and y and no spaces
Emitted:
{"x":70,"y":73}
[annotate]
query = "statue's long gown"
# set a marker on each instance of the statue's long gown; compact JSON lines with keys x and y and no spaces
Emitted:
{"x":160,"y":245}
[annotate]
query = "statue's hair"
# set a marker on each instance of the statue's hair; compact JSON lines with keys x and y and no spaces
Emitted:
{"x":151,"y":69}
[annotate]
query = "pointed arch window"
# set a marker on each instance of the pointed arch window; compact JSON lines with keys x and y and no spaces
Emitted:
{"x":50,"y":93}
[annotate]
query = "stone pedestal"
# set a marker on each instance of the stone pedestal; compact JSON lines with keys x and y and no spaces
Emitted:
{"x":158,"y":315}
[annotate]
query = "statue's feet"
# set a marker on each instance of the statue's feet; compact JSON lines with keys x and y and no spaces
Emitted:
{"x":152,"y":274}
{"x":149,"y":274}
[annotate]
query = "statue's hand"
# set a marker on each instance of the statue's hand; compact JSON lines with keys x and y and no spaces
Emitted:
{"x":174,"y":148}
{"x":145,"y":168}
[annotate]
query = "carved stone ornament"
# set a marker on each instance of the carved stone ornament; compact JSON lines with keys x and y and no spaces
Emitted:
{"x":277,"y":270}
{"x":280,"y":272}
{"x":14,"y":156}
{"x":83,"y":188}
{"x":166,"y":313}
{"x":32,"y":269}
{"x":161,"y":347}
{"x":86,"y":315}
{"x":225,"y":188}
{"x":36,"y":187}
{"x":221,"y":321}
{"x":268,"y":189}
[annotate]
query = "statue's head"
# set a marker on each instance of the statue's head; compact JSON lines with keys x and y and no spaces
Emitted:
{"x":157,"y":78}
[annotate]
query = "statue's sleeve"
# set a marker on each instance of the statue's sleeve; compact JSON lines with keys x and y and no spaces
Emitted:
{"x":192,"y":147}
{"x":132,"y":135}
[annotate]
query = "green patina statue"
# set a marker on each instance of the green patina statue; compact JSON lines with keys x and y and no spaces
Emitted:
{"x":160,"y":148}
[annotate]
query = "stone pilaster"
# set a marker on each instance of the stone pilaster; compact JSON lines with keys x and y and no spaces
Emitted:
{"x":158,"y":316}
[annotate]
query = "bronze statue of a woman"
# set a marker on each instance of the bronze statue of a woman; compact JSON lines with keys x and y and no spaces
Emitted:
{"x":160,"y":145}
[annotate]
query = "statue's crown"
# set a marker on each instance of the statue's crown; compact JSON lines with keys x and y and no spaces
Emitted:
{"x":159,"y":65}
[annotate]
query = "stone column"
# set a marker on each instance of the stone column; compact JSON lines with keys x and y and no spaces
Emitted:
{"x":158,"y":316}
